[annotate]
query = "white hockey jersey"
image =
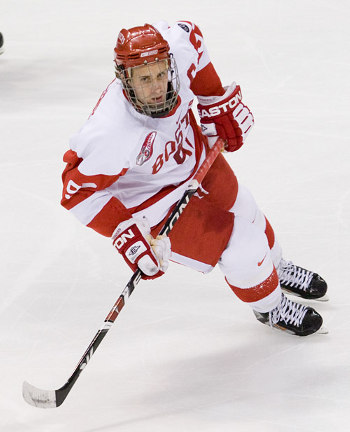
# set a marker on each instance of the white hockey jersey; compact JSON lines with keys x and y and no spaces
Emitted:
{"x":123,"y":163}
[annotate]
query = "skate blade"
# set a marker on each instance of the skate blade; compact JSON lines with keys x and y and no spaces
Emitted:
{"x":322,"y":330}
{"x":325,"y":298}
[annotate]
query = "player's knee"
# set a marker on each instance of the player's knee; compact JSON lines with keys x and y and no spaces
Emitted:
{"x":246,"y":261}
{"x":245,"y":206}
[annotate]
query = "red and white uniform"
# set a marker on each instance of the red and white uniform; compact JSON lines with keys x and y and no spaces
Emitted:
{"x":123,"y":163}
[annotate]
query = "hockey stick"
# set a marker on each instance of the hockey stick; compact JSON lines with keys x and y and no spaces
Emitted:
{"x":54,"y":398}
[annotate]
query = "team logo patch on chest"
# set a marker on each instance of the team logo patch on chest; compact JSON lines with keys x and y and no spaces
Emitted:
{"x":146,"y":149}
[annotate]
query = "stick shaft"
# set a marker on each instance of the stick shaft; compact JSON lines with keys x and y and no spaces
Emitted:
{"x":43,"y":398}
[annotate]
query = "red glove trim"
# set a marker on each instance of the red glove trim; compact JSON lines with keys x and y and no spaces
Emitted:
{"x":128,"y":242}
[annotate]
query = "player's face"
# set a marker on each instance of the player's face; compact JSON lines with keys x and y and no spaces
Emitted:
{"x":150,"y":82}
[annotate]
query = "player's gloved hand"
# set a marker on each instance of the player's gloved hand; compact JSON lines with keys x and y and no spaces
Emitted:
{"x":139,"y":249}
{"x":225,"y":117}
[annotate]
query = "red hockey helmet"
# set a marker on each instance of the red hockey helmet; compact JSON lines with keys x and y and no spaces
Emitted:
{"x":140,"y":44}
{"x":144,"y":47}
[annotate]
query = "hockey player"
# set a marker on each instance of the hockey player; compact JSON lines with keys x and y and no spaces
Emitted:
{"x":132,"y":160}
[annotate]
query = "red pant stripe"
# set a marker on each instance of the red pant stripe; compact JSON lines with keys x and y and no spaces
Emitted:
{"x":257,"y":292}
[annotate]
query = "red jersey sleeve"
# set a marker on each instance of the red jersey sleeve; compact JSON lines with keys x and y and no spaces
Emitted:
{"x":203,"y":77}
{"x":207,"y":82}
{"x":86,"y":197}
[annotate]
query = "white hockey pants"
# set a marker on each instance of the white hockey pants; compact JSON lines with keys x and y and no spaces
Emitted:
{"x":249,"y":262}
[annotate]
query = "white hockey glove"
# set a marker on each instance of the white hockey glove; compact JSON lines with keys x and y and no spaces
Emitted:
{"x":133,"y":241}
{"x":225,"y":117}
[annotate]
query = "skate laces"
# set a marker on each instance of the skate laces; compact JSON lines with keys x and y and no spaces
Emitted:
{"x":290,"y":274}
{"x":288,"y":311}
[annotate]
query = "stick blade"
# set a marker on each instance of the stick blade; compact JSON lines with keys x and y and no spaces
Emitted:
{"x":37,"y":397}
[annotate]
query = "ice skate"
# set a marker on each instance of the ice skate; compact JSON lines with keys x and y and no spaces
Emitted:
{"x":301,"y":282}
{"x":292,"y":318}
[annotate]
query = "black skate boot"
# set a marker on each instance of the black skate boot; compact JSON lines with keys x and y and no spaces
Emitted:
{"x":292,"y":318}
{"x":301,"y":282}
{"x":1,"y":43}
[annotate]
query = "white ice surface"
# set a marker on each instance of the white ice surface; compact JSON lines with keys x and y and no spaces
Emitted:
{"x":185,"y":354}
